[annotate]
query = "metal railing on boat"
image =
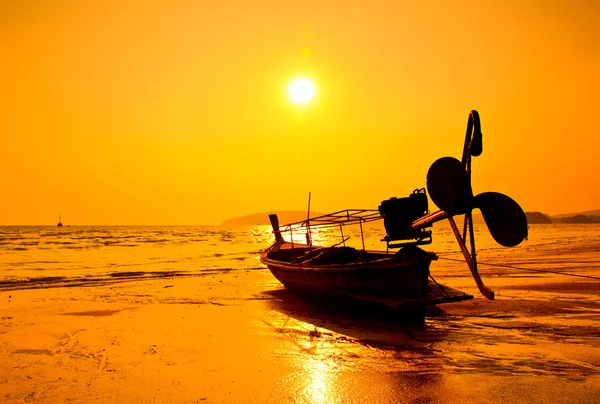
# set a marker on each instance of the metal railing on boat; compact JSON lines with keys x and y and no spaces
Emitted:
{"x":336,"y":219}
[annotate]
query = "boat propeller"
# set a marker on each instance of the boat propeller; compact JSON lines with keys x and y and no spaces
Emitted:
{"x":449,"y":186}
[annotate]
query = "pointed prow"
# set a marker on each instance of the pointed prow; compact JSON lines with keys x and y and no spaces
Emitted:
{"x":275,"y":224}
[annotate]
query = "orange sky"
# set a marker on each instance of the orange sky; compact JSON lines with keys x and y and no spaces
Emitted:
{"x":129,"y":112}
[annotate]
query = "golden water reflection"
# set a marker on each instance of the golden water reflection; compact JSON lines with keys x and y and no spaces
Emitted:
{"x":334,"y":367}
{"x":321,"y":377}
{"x":341,"y":355}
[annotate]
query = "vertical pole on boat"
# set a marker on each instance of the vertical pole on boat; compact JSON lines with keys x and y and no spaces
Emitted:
{"x":308,"y":233}
{"x":342,"y":231}
{"x":362,"y":237}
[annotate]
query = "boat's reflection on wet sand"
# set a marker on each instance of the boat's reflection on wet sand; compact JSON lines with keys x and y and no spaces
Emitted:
{"x":352,"y":353}
{"x":534,"y":346}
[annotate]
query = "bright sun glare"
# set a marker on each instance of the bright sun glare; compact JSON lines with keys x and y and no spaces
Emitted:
{"x":301,"y":90}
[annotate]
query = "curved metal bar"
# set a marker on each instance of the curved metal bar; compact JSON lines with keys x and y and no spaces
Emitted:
{"x":471,"y":260}
{"x":473,"y":139}
{"x":473,"y":147}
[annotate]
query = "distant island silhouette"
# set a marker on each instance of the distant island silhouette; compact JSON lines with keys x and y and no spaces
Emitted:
{"x":290,"y":216}
{"x":592,"y":216}
{"x":537,"y":218}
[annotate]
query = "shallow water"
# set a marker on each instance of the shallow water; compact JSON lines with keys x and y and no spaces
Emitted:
{"x":46,"y":256}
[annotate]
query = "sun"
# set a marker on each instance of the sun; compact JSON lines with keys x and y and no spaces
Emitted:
{"x":301,"y":90}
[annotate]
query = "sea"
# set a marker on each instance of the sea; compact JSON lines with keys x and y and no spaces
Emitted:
{"x":51,"y":256}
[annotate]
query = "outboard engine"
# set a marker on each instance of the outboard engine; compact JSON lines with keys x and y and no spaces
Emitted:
{"x":398,"y":215}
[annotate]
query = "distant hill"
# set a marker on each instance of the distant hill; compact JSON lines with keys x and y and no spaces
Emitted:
{"x":586,"y":213}
{"x":288,"y":216}
{"x":591,"y":216}
{"x":578,"y":219}
{"x":537,"y":218}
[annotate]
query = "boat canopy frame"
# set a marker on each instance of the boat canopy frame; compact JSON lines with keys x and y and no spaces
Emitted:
{"x":339,"y":219}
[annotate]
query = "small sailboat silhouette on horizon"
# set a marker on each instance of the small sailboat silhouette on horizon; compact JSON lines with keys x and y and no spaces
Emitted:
{"x":59,"y":221}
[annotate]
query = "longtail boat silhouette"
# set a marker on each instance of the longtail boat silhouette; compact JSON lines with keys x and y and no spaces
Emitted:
{"x":398,"y":279}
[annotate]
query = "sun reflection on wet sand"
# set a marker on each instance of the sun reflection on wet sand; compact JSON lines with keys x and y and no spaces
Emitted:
{"x":320,"y":381}
{"x":345,"y":355}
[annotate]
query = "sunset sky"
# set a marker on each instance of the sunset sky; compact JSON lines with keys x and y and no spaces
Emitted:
{"x":140,"y":112}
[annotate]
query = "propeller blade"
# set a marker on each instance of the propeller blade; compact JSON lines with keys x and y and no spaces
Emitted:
{"x":504,"y":218}
{"x":449,"y":186}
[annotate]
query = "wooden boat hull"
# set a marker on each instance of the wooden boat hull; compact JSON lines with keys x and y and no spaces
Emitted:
{"x":394,"y":280}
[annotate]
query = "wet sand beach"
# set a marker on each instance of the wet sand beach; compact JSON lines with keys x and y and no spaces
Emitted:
{"x":237,"y":337}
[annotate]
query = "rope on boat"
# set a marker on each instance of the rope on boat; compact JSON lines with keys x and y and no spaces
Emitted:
{"x":439,"y":286}
{"x":526,"y":269}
